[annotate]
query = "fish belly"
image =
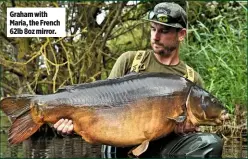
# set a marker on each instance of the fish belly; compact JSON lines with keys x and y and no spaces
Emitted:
{"x":126,"y":126}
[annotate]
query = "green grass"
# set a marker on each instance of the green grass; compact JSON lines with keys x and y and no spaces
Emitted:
{"x":220,"y":57}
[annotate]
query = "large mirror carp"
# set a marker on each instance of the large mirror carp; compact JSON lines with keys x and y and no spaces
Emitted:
{"x":131,"y":110}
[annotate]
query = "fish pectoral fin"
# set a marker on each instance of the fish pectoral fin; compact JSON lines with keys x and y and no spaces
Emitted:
{"x":140,"y":149}
{"x":22,"y":128}
{"x":178,"y":119}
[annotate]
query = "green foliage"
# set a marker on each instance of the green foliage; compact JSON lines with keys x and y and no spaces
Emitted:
{"x":42,"y":65}
{"x":218,"y":52}
{"x":131,"y":35}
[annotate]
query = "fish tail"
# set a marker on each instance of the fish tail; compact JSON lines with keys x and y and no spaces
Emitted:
{"x":13,"y":107}
{"x":23,"y":126}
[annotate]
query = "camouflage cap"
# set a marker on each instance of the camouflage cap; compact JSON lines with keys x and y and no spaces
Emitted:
{"x":169,"y":14}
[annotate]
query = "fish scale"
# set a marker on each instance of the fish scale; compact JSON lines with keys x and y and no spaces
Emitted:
{"x":131,"y":90}
{"x":127,"y":111}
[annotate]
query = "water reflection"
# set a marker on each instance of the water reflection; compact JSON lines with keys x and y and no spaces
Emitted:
{"x":49,"y":145}
{"x":52,"y":146}
{"x":73,"y":147}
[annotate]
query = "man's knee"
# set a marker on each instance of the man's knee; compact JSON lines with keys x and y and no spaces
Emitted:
{"x":196,"y":145}
{"x":205,"y":145}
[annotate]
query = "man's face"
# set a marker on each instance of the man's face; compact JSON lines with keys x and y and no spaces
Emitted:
{"x":164,"y":39}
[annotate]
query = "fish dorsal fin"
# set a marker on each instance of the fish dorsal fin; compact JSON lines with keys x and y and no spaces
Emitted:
{"x":131,"y":74}
{"x":141,"y":148}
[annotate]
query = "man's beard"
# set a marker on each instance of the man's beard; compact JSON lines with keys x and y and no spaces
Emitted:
{"x":167,"y":51}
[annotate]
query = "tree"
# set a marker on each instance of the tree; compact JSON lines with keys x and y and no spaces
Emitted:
{"x":42,"y":65}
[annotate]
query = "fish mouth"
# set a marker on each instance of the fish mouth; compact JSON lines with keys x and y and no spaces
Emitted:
{"x":224,"y":116}
{"x":218,"y":120}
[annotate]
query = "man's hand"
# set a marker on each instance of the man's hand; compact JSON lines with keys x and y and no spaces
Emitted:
{"x":64,"y":126}
{"x":185,"y":127}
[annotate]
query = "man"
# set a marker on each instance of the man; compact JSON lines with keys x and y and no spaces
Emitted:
{"x":168,"y":28}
